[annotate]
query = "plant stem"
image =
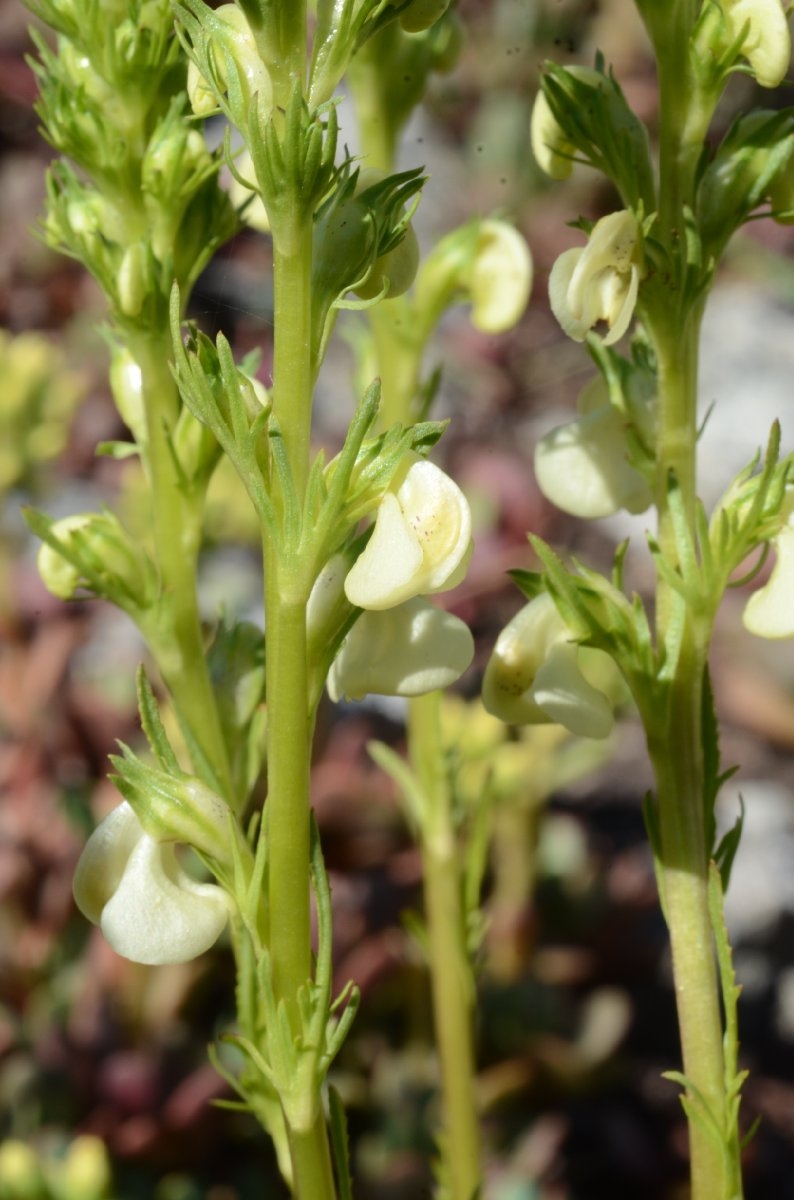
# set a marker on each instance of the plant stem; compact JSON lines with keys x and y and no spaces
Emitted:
{"x":289,"y":734}
{"x":678,"y":766}
{"x":398,"y":355}
{"x":377,"y":126}
{"x":398,"y":349}
{"x":683,"y":627}
{"x":311,"y":1163}
{"x":289,"y":731}
{"x":675,"y":745}
{"x":292,"y":367}
{"x":450,"y":969}
{"x":177,"y":642}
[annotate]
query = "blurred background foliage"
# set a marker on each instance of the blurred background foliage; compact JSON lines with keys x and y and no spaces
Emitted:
{"x":105,"y":1091}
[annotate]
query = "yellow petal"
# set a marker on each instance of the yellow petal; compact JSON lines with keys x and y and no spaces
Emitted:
{"x":769,"y":612}
{"x":385,"y":571}
{"x":405,"y":651}
{"x":158,"y":914}
{"x":501,"y":277}
{"x":767,"y":41}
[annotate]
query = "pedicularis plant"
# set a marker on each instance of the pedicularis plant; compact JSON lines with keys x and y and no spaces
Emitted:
{"x":137,"y":199}
{"x":352,"y":547}
{"x":634,"y":446}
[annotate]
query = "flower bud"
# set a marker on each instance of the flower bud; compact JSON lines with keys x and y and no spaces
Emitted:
{"x":500,"y":278}
{"x":175,"y":809}
{"x":254,"y":394}
{"x":126,"y":384}
{"x":328,"y":606}
{"x":135,"y":889}
{"x":769,"y":613}
{"x":535,"y":677}
{"x":408,"y":650}
{"x":132,"y":278}
{"x":754,"y":161}
{"x":60,"y":577}
{"x":232,"y":44}
{"x":396,"y":269}
{"x":101,"y":556}
{"x":762,"y":27}
{"x":421,"y":541}
{"x":255,"y":213}
{"x":599,"y":282}
{"x":202,"y":99}
{"x":89,"y":215}
{"x":552,"y":150}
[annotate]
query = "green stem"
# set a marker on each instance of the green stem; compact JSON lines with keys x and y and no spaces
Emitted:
{"x":450,"y":969}
{"x":399,"y":345}
{"x":398,"y":356}
{"x":177,"y":642}
{"x":289,"y":65}
{"x":678,"y":765}
{"x":675,"y":744}
{"x":288,"y":811}
{"x":377,"y":129}
{"x":292,"y":367}
{"x":313,"y":1177}
{"x":289,"y":733}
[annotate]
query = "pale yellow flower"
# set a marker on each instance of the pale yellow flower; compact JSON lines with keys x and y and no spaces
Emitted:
{"x":404,"y":651}
{"x":420,"y":543}
{"x":535,"y":677}
{"x":769,"y":613}
{"x":766,"y":39}
{"x":148,"y":908}
{"x":583,"y":467}
{"x":500,"y":277}
{"x":599,"y":282}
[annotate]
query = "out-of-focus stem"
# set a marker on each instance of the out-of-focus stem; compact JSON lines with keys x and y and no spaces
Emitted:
{"x":178,"y":646}
{"x":450,"y":968}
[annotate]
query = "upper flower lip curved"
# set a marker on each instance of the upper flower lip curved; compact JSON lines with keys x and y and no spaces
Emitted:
{"x":148,"y":908}
{"x":767,"y":41}
{"x":420,"y":543}
{"x":500,"y":279}
{"x":600,"y":281}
